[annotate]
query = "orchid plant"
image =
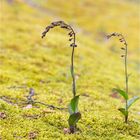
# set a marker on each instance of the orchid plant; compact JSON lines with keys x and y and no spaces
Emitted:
{"x":75,"y":115}
{"x":124,"y":93}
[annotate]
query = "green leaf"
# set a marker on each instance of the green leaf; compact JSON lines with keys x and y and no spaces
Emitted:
{"x":123,"y":93}
{"x":73,"y":106}
{"x":74,"y":118}
{"x":132,"y":100}
{"x":123,"y":111}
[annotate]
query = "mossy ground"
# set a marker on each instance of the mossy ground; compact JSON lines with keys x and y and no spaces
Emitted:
{"x":28,"y":61}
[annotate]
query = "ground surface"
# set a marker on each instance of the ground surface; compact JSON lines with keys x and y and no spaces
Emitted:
{"x":27,"y":61}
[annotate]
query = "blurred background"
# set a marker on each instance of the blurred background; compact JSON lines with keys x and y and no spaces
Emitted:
{"x":28,"y":61}
{"x":23,"y":21}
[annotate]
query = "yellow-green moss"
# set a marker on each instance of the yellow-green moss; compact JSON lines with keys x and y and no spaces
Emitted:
{"x":28,"y":61}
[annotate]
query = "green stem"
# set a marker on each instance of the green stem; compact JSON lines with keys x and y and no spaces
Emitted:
{"x":126,"y":80}
{"x":72,"y":65}
{"x":72,"y":73}
{"x":73,"y":128}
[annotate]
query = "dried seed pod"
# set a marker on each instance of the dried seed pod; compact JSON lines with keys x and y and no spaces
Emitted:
{"x":44,"y":33}
{"x":70,"y":39}
{"x":54,"y":23}
{"x":123,"y":48}
{"x":47,"y":29}
{"x":113,"y":34}
{"x":72,"y":45}
{"x":121,"y":40}
{"x":125,"y":43}
{"x":70,"y":33}
{"x":64,"y":26}
{"x":61,"y":22}
{"x":51,"y":26}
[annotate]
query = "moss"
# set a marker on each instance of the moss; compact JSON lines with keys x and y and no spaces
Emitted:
{"x":27,"y":61}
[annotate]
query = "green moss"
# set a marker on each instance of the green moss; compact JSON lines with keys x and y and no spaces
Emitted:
{"x":28,"y":61}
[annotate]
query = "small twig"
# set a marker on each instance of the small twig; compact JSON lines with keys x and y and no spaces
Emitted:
{"x":6,"y":100}
{"x":30,"y":100}
{"x":50,"y":106}
{"x":17,"y":87}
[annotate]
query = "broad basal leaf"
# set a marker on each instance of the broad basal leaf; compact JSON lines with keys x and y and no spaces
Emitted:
{"x":74,"y":118}
{"x":123,"y":93}
{"x":73,"y":106}
{"x":123,"y":111}
{"x":132,"y":100}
